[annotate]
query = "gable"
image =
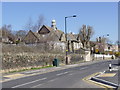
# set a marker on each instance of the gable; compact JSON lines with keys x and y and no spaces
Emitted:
{"x":43,"y":30}
{"x":50,"y":33}
{"x":30,"y":38}
{"x":71,"y":37}
{"x":63,"y":37}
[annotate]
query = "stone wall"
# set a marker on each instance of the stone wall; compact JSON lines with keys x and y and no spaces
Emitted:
{"x":17,"y":57}
{"x":26,"y":60}
{"x":11,"y":62}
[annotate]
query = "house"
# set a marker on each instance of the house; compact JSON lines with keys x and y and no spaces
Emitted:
{"x":44,"y":35}
{"x":111,"y":47}
{"x":30,"y":38}
{"x":98,"y":47}
{"x":6,"y":37}
{"x":73,"y":42}
{"x":53,"y":36}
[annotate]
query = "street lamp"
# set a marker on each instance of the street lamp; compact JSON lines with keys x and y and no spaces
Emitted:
{"x":66,"y":36}
{"x":104,"y":44}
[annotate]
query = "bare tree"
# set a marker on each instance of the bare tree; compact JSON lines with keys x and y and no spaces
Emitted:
{"x":7,"y":27}
{"x":34,"y":27}
{"x":117,"y":42}
{"x":39,"y":23}
{"x":85,"y":34}
{"x":21,"y":34}
{"x":6,"y":32}
{"x":29,"y":24}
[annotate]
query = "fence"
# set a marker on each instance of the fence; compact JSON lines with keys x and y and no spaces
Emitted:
{"x":101,"y":56}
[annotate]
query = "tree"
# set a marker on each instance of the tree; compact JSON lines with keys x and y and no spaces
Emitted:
{"x":29,"y":24}
{"x":21,"y":34}
{"x":39,"y":23}
{"x":85,"y":34}
{"x":6,"y":32}
{"x":34,"y":27}
{"x":118,"y":43}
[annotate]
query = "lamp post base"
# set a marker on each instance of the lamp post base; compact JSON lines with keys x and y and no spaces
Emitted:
{"x":66,"y":60}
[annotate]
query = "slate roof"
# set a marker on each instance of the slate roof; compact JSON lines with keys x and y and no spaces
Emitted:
{"x":93,"y":43}
{"x":55,"y":34}
{"x":37,"y":35}
{"x":76,"y":36}
{"x":71,"y":37}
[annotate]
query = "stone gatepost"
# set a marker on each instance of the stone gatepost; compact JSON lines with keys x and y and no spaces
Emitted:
{"x":87,"y":56}
{"x":69,"y":59}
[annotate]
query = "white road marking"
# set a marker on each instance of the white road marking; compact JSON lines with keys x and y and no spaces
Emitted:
{"x":71,"y":74}
{"x":65,"y":72}
{"x":29,"y":83}
{"x":43,"y":83}
{"x":52,"y":80}
{"x":83,"y":68}
{"x":37,"y":85}
{"x":61,"y":73}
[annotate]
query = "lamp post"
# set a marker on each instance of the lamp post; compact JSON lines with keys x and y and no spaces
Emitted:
{"x":66,"y":37}
{"x":104,"y":44}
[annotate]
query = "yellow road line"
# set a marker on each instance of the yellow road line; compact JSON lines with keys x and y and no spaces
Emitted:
{"x":107,"y":75}
{"x":26,"y":75}
{"x":14,"y":75}
{"x":87,"y":79}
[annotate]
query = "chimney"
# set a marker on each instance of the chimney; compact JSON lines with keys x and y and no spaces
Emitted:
{"x":54,"y":25}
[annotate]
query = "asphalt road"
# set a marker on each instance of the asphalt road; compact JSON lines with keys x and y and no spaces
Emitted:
{"x":67,"y":78}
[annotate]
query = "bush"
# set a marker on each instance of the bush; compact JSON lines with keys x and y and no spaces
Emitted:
{"x":117,"y":54}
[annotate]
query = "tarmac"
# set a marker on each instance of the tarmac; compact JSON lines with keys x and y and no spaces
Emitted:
{"x":110,"y":78}
{"x":11,"y":76}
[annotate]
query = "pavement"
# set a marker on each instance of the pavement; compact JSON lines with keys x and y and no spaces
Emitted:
{"x":67,"y":76}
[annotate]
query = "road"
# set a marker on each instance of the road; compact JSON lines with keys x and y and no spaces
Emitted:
{"x":67,"y":78}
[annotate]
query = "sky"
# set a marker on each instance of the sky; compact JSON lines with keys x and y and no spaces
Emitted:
{"x":102,"y":16}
